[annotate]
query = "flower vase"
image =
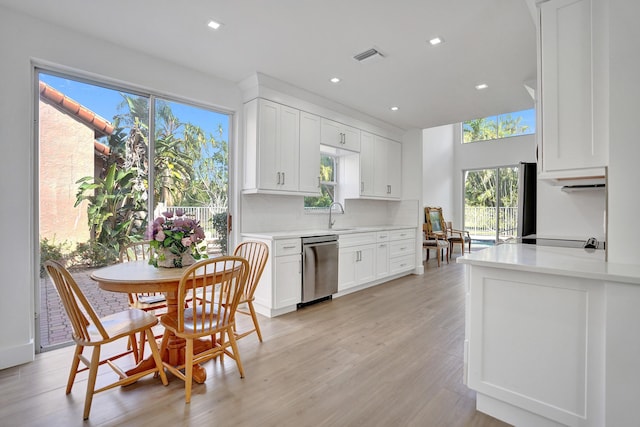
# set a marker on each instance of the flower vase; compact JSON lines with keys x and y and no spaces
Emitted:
{"x":172,"y":260}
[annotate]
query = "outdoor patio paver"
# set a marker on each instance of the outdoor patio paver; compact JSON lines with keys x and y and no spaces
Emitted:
{"x":55,"y":328}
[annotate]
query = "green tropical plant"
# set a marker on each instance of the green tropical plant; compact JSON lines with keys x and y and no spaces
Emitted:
{"x":112,"y":207}
{"x":190,"y":170}
{"x":50,"y":250}
{"x":219,"y":221}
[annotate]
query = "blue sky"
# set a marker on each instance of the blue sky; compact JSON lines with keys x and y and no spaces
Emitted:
{"x":104,"y":102}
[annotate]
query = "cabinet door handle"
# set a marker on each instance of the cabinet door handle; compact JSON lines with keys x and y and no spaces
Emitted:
{"x":300,"y":267}
{"x":342,"y":138}
{"x":278,"y":178}
{"x":282,"y":178}
{"x":388,"y":189}
{"x":289,"y":247}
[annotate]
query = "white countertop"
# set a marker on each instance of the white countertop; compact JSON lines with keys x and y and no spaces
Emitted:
{"x":554,"y":260}
{"x":322,"y":232}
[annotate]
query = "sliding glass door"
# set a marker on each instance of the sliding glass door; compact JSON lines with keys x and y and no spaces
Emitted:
{"x":491,"y":204}
{"x":99,"y":149}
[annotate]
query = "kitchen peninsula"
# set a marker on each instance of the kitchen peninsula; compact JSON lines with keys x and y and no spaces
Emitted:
{"x":547,"y":335}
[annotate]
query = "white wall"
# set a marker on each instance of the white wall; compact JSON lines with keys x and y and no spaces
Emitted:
{"x":267,"y":213}
{"x":573,"y":216}
{"x":23,"y":40}
{"x":438,"y":172}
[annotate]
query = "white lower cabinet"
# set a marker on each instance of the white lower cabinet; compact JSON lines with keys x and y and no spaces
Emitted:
{"x":402,"y":251}
{"x":280,"y":287}
{"x":356,"y":260}
{"x":288,"y":275}
{"x":371,"y":257}
{"x":382,"y":254}
{"x":365,"y":259}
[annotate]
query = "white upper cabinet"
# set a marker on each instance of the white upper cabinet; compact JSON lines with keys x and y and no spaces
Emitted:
{"x":339,"y":135}
{"x":309,"y":153}
{"x":273,"y":155}
{"x":380,"y":162}
{"x":574,"y":128}
{"x":367,"y":164}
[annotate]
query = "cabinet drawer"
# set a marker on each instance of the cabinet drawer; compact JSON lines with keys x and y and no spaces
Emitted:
{"x":288,"y":247}
{"x":382,"y":236}
{"x":406,"y":233}
{"x":356,"y":239}
{"x":402,"y":247}
{"x":401,"y":264}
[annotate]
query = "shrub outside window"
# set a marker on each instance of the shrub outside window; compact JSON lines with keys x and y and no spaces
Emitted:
{"x":328,"y":183}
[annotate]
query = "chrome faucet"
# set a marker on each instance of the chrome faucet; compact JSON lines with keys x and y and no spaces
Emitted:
{"x":332,"y":221}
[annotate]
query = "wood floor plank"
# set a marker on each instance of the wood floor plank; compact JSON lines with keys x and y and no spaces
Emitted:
{"x":388,"y":355}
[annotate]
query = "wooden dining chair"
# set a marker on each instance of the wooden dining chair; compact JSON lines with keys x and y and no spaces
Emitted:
{"x":256,"y":253}
{"x":91,"y":331}
{"x":154,"y":302}
{"x":212,"y":316}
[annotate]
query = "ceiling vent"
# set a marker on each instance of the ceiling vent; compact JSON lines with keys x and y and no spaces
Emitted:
{"x":367,"y":54}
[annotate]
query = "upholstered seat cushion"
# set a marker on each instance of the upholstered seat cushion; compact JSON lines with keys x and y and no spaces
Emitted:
{"x":435,"y":243}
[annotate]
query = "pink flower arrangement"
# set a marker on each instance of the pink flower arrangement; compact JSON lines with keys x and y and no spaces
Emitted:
{"x":177,"y":234}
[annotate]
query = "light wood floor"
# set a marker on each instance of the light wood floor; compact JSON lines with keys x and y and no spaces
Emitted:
{"x":386,"y":356}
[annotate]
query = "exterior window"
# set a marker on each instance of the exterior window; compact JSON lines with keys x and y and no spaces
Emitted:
{"x":500,"y":126}
{"x":328,"y":183}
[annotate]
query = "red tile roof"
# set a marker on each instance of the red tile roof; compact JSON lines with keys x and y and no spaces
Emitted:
{"x":68,"y":105}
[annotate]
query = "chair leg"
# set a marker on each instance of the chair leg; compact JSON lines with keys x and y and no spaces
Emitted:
{"x":220,"y":343}
{"x":438,"y":253}
{"x":91,"y":381}
{"x":156,"y":356}
{"x":188,"y":370}
{"x":140,"y":354}
{"x":74,"y":368}
{"x":255,"y":320}
{"x":236,"y":354}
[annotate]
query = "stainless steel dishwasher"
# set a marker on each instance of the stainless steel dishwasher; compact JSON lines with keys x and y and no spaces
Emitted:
{"x":319,"y":267}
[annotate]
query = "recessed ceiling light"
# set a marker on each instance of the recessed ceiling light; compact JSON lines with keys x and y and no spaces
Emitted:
{"x":213,"y":24}
{"x":394,"y":108}
{"x":482,"y":86}
{"x":434,"y":41}
{"x":334,"y":80}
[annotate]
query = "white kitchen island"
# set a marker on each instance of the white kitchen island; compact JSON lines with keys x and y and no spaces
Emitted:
{"x":553,"y":336}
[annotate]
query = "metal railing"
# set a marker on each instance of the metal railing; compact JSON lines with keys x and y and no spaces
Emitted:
{"x":483,"y":221}
{"x":203,"y":214}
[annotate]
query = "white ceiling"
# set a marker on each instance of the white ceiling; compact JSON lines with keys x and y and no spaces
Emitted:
{"x":306,"y":42}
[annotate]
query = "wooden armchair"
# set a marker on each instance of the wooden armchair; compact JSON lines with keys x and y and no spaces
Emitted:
{"x":435,"y":234}
{"x":458,"y":237}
